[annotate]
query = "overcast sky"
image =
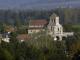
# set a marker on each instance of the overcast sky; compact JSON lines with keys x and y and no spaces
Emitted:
{"x":37,"y":3}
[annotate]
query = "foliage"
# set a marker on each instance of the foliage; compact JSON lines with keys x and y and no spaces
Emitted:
{"x":41,"y":46}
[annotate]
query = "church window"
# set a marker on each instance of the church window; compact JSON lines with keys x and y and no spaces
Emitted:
{"x":58,"y":29}
{"x":54,"y":20}
{"x":51,"y":28}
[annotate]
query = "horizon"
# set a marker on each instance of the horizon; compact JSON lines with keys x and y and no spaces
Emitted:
{"x":38,"y":4}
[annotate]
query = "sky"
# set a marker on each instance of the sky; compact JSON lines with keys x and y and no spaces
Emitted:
{"x":4,"y":4}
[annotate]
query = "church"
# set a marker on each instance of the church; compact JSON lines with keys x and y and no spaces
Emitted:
{"x":53,"y":27}
{"x":40,"y":24}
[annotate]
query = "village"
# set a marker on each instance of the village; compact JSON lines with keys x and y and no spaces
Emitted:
{"x":52,"y":28}
{"x":39,"y":29}
{"x":39,"y":38}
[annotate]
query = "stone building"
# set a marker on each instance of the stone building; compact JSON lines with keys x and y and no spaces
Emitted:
{"x":36,"y":26}
{"x":55,"y":29}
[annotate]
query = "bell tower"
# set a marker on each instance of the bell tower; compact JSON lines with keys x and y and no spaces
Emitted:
{"x":55,"y":29}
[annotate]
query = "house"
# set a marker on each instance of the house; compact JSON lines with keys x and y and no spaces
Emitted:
{"x":23,"y":37}
{"x":20,"y":37}
{"x":5,"y":37}
{"x":37,"y":26}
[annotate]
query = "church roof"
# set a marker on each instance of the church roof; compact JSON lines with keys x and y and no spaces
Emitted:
{"x":32,"y":28}
{"x":53,"y":15}
{"x":38,"y":22}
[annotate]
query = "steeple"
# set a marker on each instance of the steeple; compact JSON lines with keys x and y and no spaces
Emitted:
{"x":54,"y":19}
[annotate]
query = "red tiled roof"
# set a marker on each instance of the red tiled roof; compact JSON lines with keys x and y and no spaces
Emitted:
{"x":38,"y":22}
{"x":23,"y":37}
{"x":31,"y":28}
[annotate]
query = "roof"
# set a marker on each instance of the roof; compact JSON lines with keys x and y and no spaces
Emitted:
{"x":9,"y":29}
{"x":53,"y":15}
{"x":32,"y":28}
{"x":23,"y":37}
{"x":38,"y":22}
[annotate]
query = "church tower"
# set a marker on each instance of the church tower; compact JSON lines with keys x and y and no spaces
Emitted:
{"x":54,"y":27}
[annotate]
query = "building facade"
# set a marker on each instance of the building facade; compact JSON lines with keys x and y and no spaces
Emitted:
{"x":55,"y":29}
{"x":36,"y":26}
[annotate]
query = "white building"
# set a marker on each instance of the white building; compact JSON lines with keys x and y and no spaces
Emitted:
{"x":55,"y":29}
{"x":6,"y":39}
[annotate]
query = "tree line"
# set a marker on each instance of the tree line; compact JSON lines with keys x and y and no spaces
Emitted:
{"x":67,"y":15}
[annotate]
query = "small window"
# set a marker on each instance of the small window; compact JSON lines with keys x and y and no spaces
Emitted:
{"x":51,"y":27}
{"x":54,"y":20}
{"x":58,"y":29}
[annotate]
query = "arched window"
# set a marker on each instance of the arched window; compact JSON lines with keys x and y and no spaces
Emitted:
{"x":58,"y":28}
{"x":51,"y":28}
{"x":54,"y":21}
